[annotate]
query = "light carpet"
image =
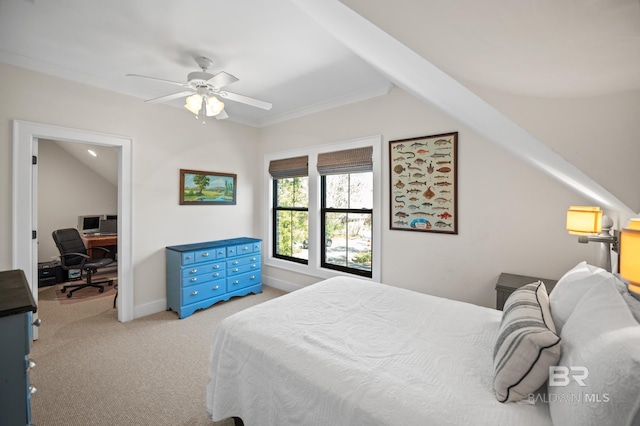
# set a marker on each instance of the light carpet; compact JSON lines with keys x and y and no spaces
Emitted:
{"x":93,"y":370}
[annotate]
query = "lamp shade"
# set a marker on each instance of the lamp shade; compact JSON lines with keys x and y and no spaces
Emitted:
{"x":582,"y":220}
{"x":213,"y":106}
{"x":630,"y":254}
{"x":194,"y":103}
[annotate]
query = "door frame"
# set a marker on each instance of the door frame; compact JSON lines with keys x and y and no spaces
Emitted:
{"x":25,"y":256}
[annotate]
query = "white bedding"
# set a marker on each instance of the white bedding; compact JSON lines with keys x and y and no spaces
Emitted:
{"x":347,"y":351}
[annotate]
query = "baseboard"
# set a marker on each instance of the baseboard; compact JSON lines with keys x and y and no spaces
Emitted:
{"x":149,"y":308}
{"x":161,"y":305}
{"x":280,"y":284}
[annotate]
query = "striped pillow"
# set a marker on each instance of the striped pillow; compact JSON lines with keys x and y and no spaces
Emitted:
{"x":527,"y":344}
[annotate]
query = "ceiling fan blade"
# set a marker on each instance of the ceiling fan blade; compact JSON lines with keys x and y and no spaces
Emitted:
{"x":245,"y":100}
{"x":221,"y":79}
{"x":170,"y":97}
{"x":177,"y":83}
{"x":222,"y":115}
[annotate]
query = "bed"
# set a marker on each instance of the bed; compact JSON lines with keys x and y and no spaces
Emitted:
{"x":347,"y":351}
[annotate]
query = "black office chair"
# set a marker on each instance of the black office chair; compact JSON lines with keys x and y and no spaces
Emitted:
{"x":73,"y":255}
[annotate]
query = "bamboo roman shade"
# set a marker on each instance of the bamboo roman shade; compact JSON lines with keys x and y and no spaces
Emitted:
{"x":348,"y":161}
{"x":289,"y":167}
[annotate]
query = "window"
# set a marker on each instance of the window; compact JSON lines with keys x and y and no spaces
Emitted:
{"x":324,"y":211}
{"x":291,"y":208}
{"x":291,"y":218}
{"x":346,"y":222}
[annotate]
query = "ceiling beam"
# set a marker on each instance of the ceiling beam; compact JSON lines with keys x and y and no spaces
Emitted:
{"x":417,"y":76}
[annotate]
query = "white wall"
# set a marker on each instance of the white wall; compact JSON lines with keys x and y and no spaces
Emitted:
{"x":67,"y":188}
{"x":165,"y":139}
{"x":511,"y":216}
{"x":598,"y":134}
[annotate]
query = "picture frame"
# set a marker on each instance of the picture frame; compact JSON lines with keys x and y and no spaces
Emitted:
{"x":423,"y":184}
{"x":207,"y":188}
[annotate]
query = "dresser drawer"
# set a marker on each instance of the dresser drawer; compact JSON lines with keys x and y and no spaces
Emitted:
{"x":241,"y":261}
{"x":188,"y":258}
{"x":203,"y":291}
{"x":244,"y":249}
{"x":205,"y":255}
{"x":199,"y":269}
{"x":198,"y":279}
{"x":236,"y":270}
{"x":243,"y":280}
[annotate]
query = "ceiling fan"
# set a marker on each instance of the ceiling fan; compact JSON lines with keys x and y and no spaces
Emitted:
{"x":203,"y":89}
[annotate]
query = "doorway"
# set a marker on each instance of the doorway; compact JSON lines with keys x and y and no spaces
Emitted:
{"x":77,"y":186}
{"x":25,"y":137}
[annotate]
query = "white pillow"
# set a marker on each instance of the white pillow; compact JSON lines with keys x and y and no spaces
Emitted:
{"x":527,"y":344}
{"x":603,"y":336}
{"x":570,"y":289}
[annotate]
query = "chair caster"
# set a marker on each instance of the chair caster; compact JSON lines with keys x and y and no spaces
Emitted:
{"x":63,"y":290}
{"x":101,"y":290}
{"x":69,"y":295}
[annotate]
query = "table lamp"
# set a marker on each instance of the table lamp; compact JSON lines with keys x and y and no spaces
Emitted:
{"x":630,"y":256}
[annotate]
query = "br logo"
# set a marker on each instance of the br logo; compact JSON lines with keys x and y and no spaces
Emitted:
{"x":561,"y":376}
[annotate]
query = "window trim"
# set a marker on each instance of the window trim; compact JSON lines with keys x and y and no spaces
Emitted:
{"x":313,"y":268}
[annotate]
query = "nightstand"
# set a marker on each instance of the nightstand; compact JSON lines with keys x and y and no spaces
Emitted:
{"x":508,"y":283}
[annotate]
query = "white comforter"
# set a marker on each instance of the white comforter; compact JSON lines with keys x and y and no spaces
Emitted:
{"x":352,"y":352}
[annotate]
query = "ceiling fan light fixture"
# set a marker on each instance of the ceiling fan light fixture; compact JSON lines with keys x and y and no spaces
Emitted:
{"x":194,"y":103}
{"x":213,"y":106}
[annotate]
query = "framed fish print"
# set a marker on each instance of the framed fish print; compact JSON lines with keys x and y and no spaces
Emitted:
{"x":207,"y":188}
{"x":423,"y":175}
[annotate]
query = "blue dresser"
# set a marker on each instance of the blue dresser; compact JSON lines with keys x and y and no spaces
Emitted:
{"x":16,"y":307}
{"x":201,"y":274}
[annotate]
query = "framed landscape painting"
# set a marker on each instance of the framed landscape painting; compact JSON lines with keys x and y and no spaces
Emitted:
{"x":207,"y":188}
{"x":424,"y":195}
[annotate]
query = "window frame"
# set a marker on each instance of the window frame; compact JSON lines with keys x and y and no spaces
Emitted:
{"x":313,"y":267}
{"x":323,"y":249}
{"x":276,"y":208}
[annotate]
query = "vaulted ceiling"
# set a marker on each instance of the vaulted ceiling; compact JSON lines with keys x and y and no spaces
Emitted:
{"x":280,"y":55}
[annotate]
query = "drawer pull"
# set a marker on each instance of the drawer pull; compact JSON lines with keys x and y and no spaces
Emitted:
{"x":32,"y":389}
{"x":236,"y":282}
{"x":215,"y":288}
{"x":253,"y":259}
{"x":194,"y":279}
{"x":221,"y":252}
{"x":216,"y":266}
{"x":193,"y":271}
{"x":205,"y":254}
{"x":245,"y":248}
{"x":252,"y":277}
{"x":31,"y":365}
{"x":235,"y":262}
{"x":194,"y":293}
{"x":216,"y":274}
{"x":37,"y":322}
{"x":253,"y":265}
{"x":188,"y":257}
{"x":234,"y":270}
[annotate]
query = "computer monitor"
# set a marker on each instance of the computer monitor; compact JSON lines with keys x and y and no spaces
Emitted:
{"x":111,"y":216}
{"x":109,"y":227}
{"x":89,"y":224}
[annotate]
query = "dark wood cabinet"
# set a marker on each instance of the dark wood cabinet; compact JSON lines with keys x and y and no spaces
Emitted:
{"x":508,"y":283}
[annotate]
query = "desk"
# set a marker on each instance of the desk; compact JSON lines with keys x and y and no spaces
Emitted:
{"x":106,"y":241}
